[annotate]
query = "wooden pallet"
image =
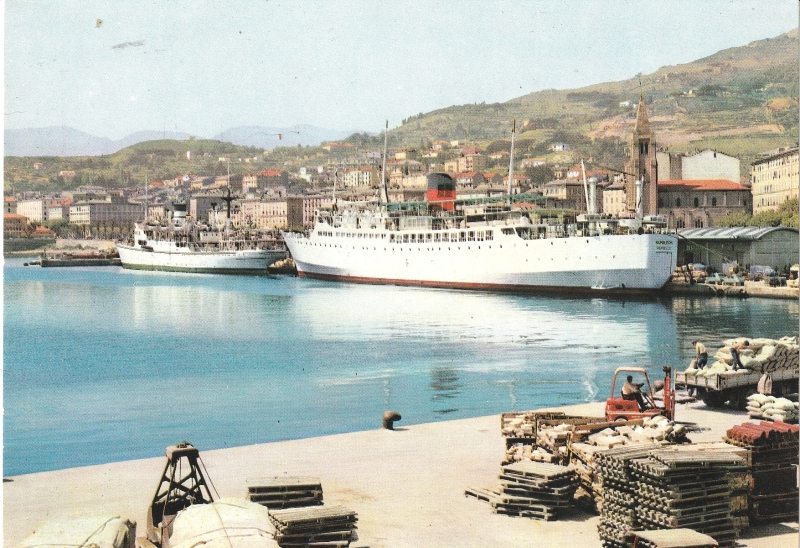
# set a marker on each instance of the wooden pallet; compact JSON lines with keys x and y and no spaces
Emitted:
{"x":285,"y":492}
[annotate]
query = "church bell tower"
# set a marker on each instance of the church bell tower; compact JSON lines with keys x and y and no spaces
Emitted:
{"x":642,"y":164}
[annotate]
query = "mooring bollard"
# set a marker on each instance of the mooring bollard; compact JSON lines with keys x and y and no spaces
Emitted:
{"x":388,"y":419}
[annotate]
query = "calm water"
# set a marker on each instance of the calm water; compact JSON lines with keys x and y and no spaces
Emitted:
{"x":102,"y":364}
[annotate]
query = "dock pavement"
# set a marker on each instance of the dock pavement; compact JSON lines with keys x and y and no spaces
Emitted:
{"x":407,"y":485}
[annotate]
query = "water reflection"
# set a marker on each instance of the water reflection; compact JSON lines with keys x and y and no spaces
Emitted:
{"x":446,"y":386}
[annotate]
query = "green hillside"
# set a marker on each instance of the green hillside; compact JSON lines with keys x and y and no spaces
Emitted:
{"x":741,"y":100}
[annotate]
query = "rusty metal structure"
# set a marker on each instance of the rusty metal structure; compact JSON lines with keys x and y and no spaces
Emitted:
{"x":182,"y":484}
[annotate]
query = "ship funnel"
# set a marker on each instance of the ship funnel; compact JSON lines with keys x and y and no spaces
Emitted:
{"x":441,"y":193}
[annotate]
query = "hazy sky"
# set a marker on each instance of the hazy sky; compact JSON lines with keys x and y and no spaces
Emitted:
{"x":203,"y":66}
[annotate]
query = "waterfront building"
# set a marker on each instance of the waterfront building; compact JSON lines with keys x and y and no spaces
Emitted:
{"x":471,"y":159}
{"x":257,"y":214}
{"x":201,"y":204}
{"x":363,"y":176}
{"x":774,"y":179}
{"x":701,"y":203}
{"x":704,"y":165}
{"x":720,"y":247}
{"x":34,"y":210}
{"x":567,"y":194}
{"x":300,"y":210}
{"x":613,"y":201}
{"x":14,"y":225}
{"x":59,"y":210}
{"x":466,"y":182}
{"x":517,"y":182}
{"x":88,"y":213}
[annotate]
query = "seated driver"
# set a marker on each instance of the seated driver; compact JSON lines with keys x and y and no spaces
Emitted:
{"x":632,"y":391}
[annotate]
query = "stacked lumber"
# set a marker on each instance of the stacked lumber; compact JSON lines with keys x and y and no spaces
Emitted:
{"x":739,"y":479}
{"x":618,"y":502}
{"x":530,"y":489}
{"x":687,"y":489}
{"x":522,"y":424}
{"x":521,"y":432}
{"x":284,"y":492}
{"x":773,"y":452}
{"x":651,"y":431}
{"x":762,"y":355}
{"x":334,"y":526}
{"x":771,"y":408}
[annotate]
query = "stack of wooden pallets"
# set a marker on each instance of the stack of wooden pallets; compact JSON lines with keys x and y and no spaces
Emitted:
{"x":616,"y":487}
{"x":687,"y":489}
{"x":773,"y":451}
{"x":530,"y":489}
{"x":334,"y":526}
{"x":284,"y":492}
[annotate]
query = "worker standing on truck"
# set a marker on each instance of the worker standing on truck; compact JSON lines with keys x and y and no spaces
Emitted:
{"x":736,"y":361}
{"x":701,"y":354}
{"x":631,"y":391}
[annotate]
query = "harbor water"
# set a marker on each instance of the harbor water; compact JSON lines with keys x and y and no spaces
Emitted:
{"x":104,"y":364}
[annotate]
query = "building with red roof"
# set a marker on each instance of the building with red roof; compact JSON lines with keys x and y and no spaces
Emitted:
{"x":701,"y":203}
{"x":14,"y":225}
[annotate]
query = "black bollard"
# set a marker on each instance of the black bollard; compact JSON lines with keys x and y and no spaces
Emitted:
{"x":388,"y":419}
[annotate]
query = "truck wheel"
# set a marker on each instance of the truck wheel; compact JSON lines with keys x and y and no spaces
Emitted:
{"x":713,"y":399}
{"x":738,"y":399}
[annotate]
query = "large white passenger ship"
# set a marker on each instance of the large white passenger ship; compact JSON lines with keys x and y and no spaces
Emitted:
{"x":459,"y":244}
{"x":190,"y":247}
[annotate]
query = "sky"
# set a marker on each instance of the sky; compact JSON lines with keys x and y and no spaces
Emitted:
{"x":111,"y":68}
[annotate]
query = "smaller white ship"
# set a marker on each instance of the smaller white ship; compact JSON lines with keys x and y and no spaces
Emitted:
{"x":185,"y":246}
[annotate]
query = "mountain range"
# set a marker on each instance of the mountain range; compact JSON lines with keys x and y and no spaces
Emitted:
{"x":68,"y":141}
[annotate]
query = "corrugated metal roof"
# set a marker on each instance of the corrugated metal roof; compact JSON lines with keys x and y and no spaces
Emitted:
{"x":731,"y":233}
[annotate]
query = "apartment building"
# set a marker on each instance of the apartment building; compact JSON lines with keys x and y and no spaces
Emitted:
{"x":774,"y":179}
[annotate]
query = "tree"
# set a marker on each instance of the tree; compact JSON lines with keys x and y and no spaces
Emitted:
{"x":497,"y":146}
{"x":735,"y":219}
{"x":539,"y":175}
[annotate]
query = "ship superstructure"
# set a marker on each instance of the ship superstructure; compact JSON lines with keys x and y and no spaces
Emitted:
{"x":488,"y":244}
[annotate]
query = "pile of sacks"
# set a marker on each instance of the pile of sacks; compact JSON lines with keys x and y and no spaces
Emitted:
{"x":761,"y":356}
{"x":771,"y":408}
{"x":685,"y":274}
{"x":653,"y":430}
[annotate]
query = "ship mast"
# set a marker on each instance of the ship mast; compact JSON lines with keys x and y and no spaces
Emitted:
{"x":335,"y":176}
{"x":385,"y":197}
{"x":511,"y":161}
{"x":228,"y":199}
{"x":585,"y":188}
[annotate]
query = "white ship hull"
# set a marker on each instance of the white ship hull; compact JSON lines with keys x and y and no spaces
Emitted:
{"x":615,"y":263}
{"x":220,"y":262}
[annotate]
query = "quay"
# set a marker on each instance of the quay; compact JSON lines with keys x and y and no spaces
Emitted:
{"x":407,"y":485}
{"x":749,"y":289}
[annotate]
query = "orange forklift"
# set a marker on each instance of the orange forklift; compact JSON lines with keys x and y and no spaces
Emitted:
{"x":620,"y":407}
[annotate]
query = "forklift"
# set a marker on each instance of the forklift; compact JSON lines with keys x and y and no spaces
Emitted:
{"x":619,"y":407}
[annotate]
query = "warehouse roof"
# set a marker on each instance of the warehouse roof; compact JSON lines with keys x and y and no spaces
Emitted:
{"x":732,"y":233}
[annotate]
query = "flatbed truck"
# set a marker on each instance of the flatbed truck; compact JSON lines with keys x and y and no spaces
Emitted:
{"x":717,"y":389}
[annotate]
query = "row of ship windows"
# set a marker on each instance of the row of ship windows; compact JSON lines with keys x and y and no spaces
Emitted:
{"x":437,"y":248}
{"x":433,"y":237}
